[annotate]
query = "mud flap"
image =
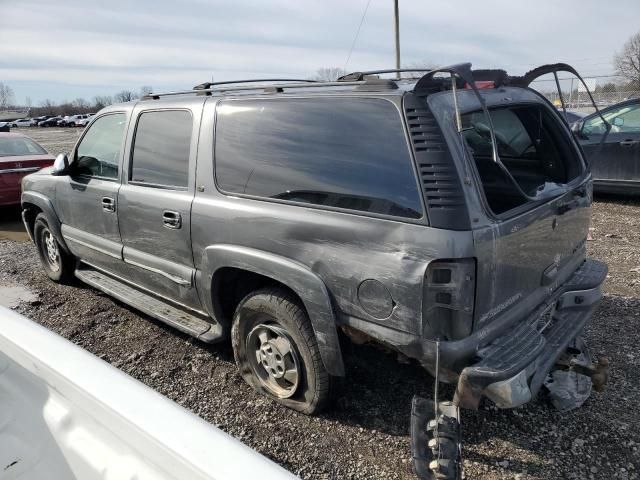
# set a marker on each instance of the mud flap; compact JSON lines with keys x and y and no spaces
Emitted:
{"x":436,"y":443}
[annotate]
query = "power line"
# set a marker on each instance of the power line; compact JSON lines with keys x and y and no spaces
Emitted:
{"x":353,"y":44}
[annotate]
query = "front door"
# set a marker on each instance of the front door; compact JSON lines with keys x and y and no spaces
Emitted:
{"x":155,"y":203}
{"x":87,"y":198}
{"x":618,"y":161}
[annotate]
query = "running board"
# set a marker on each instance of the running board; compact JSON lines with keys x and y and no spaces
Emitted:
{"x":192,"y":324}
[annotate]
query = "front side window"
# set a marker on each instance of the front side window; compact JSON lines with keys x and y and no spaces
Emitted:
{"x":530,"y":145}
{"x":625,"y":119}
{"x":160,"y":155}
{"x":100,"y":149}
{"x":343,"y":153}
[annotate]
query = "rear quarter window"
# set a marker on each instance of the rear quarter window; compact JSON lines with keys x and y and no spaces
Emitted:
{"x":335,"y":152}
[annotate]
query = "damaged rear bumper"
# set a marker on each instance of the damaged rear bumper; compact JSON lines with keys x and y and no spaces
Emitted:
{"x":511,"y":366}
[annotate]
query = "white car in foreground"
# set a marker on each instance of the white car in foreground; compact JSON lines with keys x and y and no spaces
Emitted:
{"x":65,"y":414}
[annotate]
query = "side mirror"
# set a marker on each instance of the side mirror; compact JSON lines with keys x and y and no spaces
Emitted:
{"x":618,"y":121}
{"x":61,"y":165}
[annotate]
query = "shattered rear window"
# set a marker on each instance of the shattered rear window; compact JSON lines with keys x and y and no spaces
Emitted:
{"x":531,"y":145}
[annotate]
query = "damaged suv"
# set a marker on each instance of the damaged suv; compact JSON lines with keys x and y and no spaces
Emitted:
{"x":440,"y":219}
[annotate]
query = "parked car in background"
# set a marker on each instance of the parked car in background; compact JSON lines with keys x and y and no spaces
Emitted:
{"x":73,"y":120}
{"x":24,"y":122}
{"x":84,"y":121}
{"x":19,"y":156}
{"x":50,"y":122}
{"x":614,"y":156}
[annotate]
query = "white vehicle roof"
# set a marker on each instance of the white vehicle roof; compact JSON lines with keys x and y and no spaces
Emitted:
{"x":65,"y":414}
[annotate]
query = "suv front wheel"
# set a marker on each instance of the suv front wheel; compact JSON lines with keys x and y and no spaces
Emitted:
{"x":277,"y":352}
{"x":57,"y":264}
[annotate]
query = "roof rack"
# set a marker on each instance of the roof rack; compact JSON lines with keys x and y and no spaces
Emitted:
{"x":203,"y":90}
{"x":207,"y":85}
{"x":359,"y":76}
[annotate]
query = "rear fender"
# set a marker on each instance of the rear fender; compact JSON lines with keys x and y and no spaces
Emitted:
{"x":306,"y":284}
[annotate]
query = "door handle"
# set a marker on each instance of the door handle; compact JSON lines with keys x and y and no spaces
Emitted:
{"x":628,"y":143}
{"x":108,"y":204}
{"x":171,"y":219}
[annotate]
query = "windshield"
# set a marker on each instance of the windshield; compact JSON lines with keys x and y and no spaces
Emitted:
{"x":531,"y":146}
{"x":19,"y":146}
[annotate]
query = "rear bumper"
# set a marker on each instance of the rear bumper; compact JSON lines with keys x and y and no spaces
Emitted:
{"x":510,"y":362}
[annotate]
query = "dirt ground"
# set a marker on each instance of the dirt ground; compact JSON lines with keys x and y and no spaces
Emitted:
{"x":365,"y":434}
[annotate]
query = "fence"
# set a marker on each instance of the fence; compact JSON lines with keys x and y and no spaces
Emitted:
{"x":605,"y":89}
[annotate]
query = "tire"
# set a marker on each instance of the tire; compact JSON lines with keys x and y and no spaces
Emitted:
{"x":278,"y":316}
{"x":57,"y":264}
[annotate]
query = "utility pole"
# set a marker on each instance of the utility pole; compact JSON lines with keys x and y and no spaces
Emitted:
{"x":396,"y":29}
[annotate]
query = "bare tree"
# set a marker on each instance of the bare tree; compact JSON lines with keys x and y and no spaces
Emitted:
{"x":124,"y":96}
{"x":329,"y":74}
{"x":101,"y":101}
{"x":627,"y":61}
{"x":47,"y":107}
{"x":6,"y":95}
{"x":80,"y":104}
{"x":145,"y":90}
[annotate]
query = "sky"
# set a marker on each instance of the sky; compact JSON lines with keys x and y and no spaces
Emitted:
{"x":64,"y":49}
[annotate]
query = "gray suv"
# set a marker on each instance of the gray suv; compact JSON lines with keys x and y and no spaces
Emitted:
{"x":442,"y":220}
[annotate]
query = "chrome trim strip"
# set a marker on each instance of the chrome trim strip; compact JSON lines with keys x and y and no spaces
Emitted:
{"x":21,"y":170}
{"x":92,"y":247}
{"x":173,"y":278}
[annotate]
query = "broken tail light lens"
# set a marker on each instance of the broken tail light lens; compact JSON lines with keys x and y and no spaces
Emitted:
{"x":449,"y":298}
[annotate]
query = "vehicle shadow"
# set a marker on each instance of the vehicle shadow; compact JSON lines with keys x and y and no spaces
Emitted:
{"x":11,"y":226}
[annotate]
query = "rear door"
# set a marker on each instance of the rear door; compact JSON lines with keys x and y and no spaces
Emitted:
{"x":155,"y":200}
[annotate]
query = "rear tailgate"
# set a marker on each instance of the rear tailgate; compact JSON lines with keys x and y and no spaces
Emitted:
{"x":529,"y":256}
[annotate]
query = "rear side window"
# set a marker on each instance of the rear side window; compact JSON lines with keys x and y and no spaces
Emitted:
{"x":160,"y":155}
{"x":344,"y":153}
{"x":532,"y":147}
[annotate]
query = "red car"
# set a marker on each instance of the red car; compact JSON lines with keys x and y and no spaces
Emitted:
{"x":19,"y":156}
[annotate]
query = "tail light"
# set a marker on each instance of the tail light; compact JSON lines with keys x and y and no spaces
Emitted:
{"x":449,"y":298}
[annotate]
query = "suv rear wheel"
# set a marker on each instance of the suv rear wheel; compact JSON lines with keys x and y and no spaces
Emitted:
{"x":277,"y":352}
{"x":57,"y":264}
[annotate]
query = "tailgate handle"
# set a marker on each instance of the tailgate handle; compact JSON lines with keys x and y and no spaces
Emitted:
{"x":172,"y":219}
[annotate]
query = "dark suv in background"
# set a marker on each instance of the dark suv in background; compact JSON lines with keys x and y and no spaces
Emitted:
{"x":442,"y":221}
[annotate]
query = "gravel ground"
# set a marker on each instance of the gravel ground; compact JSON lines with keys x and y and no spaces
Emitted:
{"x":364,"y":435}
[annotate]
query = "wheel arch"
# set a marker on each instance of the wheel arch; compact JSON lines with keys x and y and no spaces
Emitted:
{"x":34,"y":203}
{"x":305,"y":284}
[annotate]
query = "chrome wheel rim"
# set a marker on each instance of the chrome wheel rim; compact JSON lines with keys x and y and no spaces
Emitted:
{"x":273,"y":359}
{"x":52,"y":254}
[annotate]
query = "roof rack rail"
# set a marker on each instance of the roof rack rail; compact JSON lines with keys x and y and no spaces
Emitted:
{"x":268,"y":88}
{"x":359,"y":76}
{"x":207,"y":85}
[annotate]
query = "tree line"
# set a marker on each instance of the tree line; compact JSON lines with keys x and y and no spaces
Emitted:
{"x":73,"y":107}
